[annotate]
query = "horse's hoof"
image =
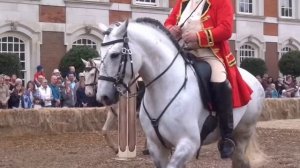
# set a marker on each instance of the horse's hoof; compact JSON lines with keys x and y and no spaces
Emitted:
{"x":146,"y":152}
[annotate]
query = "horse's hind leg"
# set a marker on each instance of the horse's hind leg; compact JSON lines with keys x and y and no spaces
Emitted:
{"x":239,"y":158}
{"x":184,"y":152}
{"x":159,"y":153}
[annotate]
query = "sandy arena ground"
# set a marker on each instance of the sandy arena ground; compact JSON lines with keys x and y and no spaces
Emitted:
{"x":280,"y":140}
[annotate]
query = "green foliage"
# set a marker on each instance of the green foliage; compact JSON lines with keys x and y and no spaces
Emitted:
{"x":10,"y":64}
{"x":255,"y":66}
{"x":289,"y":64}
{"x":74,"y":56}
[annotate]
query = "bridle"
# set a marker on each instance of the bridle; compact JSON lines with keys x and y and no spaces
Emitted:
{"x":126,"y":56}
{"x":88,"y":69}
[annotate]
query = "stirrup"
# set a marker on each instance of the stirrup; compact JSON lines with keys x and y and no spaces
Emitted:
{"x":226,"y":147}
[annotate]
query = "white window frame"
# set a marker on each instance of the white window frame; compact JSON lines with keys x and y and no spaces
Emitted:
{"x":293,"y":8}
{"x":286,"y":49}
{"x":26,"y":61}
{"x":138,"y":2}
{"x":92,"y":45}
{"x":249,"y":52}
{"x":247,"y":13}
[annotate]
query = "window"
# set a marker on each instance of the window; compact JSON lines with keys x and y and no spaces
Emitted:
{"x":246,"y":51}
{"x":286,"y":8}
{"x":246,"y":6}
{"x":85,"y":42}
{"x":287,"y":49}
{"x":146,"y":2}
{"x":10,"y":44}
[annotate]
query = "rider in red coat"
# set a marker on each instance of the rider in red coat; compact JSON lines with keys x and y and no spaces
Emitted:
{"x":205,"y":27}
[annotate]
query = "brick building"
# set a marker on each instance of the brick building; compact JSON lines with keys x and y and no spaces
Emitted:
{"x":42,"y":31}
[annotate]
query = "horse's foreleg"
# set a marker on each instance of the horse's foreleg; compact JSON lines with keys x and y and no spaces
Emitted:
{"x":110,"y":119}
{"x":184,"y":152}
{"x":159,"y":153}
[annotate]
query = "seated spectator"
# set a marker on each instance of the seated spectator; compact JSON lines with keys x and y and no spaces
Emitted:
{"x":297,"y":93}
{"x":4,"y":93}
{"x":68,"y":95}
{"x":15,"y":100}
{"x":45,"y":94}
{"x":279,"y":85}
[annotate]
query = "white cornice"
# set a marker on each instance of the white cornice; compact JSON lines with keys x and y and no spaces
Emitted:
{"x":150,"y":9}
{"x":35,"y":2}
{"x":96,"y":4}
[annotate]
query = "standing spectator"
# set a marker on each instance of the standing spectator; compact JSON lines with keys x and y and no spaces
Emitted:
{"x":56,"y":96}
{"x":72,"y":79}
{"x":4,"y":93}
{"x":30,"y":96}
{"x":68,"y":95}
{"x":274,"y":93}
{"x":12,"y":82}
{"x":80,"y":92}
{"x":39,"y":71}
{"x":57,"y":73}
{"x":7,"y":80}
{"x":264,"y":81}
{"x":39,"y":82}
{"x":46,"y":94}
{"x":15,"y":100}
{"x":279,"y":85}
{"x":19,"y":82}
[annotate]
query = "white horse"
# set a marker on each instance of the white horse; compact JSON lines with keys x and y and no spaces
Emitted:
{"x":144,"y":46}
{"x":91,"y":74}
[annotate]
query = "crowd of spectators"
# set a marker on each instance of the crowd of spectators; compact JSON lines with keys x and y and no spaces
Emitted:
{"x":283,"y":87}
{"x":60,"y":91}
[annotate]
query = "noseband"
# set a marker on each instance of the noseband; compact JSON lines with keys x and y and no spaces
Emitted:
{"x":126,"y":55}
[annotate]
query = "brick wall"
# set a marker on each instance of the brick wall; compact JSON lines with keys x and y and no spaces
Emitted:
{"x":271,"y":59}
{"x":52,"y":50}
{"x":116,"y":16}
{"x":53,"y":14}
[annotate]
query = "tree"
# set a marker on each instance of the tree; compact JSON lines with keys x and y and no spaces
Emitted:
{"x":10,"y":64}
{"x":73,"y":58}
{"x":289,"y":64}
{"x":255,"y":66}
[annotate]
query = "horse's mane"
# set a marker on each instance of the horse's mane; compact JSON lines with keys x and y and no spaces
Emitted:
{"x":156,"y":24}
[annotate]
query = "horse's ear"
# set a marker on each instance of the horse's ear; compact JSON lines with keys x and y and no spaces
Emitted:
{"x":84,"y":61}
{"x":102,"y":27}
{"x":122,"y":28}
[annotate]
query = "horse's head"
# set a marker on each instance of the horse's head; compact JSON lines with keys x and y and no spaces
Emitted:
{"x":91,"y":74}
{"x":118,"y":63}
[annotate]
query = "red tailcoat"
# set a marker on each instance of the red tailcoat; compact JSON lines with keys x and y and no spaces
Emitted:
{"x":217,"y":20}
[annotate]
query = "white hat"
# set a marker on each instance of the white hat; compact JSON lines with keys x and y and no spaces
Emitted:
{"x":81,"y":74}
{"x":56,"y":71}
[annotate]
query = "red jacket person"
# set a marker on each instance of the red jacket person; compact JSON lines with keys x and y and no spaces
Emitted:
{"x":205,"y":27}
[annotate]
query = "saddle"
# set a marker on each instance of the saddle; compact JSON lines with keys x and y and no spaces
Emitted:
{"x":203,"y":73}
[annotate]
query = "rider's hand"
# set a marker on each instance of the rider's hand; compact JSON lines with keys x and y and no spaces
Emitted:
{"x":176,"y":32}
{"x":190,"y":40}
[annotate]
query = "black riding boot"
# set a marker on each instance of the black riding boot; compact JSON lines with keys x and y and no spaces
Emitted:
{"x":222,"y":99}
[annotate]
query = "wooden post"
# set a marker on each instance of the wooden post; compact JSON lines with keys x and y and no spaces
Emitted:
{"x":127,"y":126}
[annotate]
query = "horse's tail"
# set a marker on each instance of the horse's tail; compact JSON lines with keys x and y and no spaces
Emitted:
{"x":255,"y":155}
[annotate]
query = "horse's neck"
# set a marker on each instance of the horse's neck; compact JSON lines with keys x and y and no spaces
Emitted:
{"x":157,"y":51}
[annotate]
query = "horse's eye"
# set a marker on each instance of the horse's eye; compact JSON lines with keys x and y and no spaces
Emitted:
{"x":114,"y":55}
